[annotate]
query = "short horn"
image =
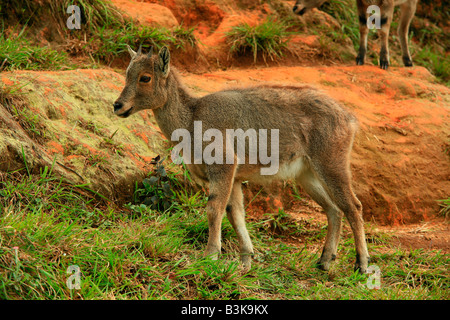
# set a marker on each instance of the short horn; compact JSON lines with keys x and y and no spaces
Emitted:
{"x":150,"y":52}
{"x":131,"y":51}
{"x":139,"y":52}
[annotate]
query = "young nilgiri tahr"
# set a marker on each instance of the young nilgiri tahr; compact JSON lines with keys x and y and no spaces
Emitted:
{"x":315,"y":140}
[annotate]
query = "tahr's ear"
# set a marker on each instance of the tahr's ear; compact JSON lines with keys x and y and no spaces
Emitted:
{"x":132,"y":52}
{"x":164,"y":60}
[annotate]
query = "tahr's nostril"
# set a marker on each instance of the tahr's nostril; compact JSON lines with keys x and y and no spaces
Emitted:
{"x":117,"y":105}
{"x":294,"y":8}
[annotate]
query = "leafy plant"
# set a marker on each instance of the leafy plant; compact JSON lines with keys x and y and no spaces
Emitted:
{"x":270,"y":38}
{"x":157,"y":191}
{"x":281,"y":223}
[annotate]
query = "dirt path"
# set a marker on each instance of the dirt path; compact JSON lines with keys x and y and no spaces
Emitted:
{"x":427,"y":235}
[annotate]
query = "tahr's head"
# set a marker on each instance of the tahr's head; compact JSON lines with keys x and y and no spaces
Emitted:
{"x":301,"y":6}
{"x":146,"y":82}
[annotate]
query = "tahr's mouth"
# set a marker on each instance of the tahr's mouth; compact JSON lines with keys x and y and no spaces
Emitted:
{"x":126,"y":114}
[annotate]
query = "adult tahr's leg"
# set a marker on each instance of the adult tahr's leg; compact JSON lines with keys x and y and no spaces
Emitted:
{"x":386,"y":19}
{"x":363,"y":34}
{"x":236,"y":214}
{"x":408,"y":9}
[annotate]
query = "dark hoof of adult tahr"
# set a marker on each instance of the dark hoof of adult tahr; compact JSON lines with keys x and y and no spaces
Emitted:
{"x":384,"y":64}
{"x":359,"y":61}
{"x":407,"y":62}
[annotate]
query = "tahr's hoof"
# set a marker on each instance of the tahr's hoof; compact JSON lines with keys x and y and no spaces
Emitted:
{"x":246,"y":262}
{"x":213,"y":255}
{"x":407,"y":62}
{"x":360,"y":269}
{"x":323,"y":266}
{"x":384,"y":64}
{"x":359,"y":61}
{"x":361,"y":265}
{"x":325,"y":262}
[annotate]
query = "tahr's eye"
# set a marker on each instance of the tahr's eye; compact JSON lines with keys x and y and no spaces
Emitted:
{"x":144,"y":79}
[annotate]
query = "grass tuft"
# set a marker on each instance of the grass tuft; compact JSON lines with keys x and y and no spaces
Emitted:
{"x":438,"y":63}
{"x":16,"y":52}
{"x":269,"y":38}
{"x":445,"y":207}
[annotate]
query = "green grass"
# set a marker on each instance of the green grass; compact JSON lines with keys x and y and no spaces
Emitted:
{"x":12,"y":100}
{"x":108,"y":44}
{"x":31,"y":122}
{"x":17,"y":52}
{"x":344,"y":12}
{"x":269,"y":38}
{"x":438,"y":63}
{"x":48,"y":225}
{"x":103,"y":36}
{"x":445,"y":207}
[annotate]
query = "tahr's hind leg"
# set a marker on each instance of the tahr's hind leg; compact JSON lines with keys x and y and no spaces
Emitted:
{"x":384,"y":35}
{"x":338,"y":185}
{"x":363,"y":34}
{"x":310,"y":182}
{"x":408,"y":9}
